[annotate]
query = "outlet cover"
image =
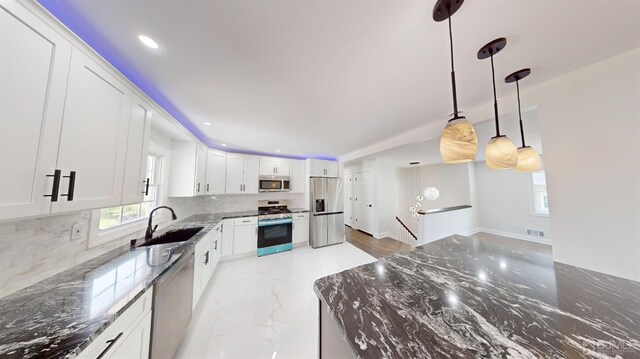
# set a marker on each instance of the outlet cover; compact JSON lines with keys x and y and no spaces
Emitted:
{"x":77,"y":231}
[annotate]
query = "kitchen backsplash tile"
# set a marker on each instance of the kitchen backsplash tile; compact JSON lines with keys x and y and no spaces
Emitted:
{"x":186,"y":206}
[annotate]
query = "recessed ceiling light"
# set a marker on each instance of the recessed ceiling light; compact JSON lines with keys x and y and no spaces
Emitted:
{"x":207,"y":123}
{"x":278,"y":151}
{"x":224,"y":145}
{"x":148,"y":41}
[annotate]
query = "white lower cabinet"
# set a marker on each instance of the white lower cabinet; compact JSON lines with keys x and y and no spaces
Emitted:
{"x":202,"y":268}
{"x":227,"y":238}
{"x":301,"y":228}
{"x":129,"y":336}
{"x":245,"y":235}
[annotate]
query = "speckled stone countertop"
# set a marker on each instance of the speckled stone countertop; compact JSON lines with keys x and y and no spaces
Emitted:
{"x":462,"y":297}
{"x":61,"y":315}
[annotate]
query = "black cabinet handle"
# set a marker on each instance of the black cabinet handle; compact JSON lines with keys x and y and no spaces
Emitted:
{"x":72,"y":186}
{"x":207,"y":187}
{"x":146,"y":187}
{"x":111,"y":342}
{"x":206,"y":258}
{"x":369,"y":205}
{"x":198,"y":187}
{"x":215,"y":245}
{"x":56,"y":185}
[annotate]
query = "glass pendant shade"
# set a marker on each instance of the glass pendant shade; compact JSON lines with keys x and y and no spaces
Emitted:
{"x":459,"y":142}
{"x":528,"y":160}
{"x":501,"y":153}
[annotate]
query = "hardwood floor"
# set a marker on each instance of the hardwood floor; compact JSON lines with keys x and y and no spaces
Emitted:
{"x":376,"y":247}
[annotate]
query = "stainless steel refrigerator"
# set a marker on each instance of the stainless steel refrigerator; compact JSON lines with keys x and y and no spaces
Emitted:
{"x":327,"y":216}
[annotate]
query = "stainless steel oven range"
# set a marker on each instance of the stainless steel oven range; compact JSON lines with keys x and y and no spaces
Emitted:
{"x":275,"y":227}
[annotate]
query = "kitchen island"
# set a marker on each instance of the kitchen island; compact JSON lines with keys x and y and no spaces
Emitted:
{"x":462,"y":297}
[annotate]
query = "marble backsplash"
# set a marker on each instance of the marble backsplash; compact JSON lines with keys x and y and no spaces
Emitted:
{"x":36,"y":248}
{"x":186,"y":206}
{"x":33,"y":249}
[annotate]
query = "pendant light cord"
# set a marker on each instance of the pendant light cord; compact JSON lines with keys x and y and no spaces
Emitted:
{"x":495,"y":101}
{"x":520,"y":113}
{"x":453,"y":73}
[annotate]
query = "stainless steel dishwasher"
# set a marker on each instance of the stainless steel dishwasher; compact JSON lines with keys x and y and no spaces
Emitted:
{"x":172,"y":300}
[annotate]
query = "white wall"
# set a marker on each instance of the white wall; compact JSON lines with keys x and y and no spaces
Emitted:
{"x":504,"y":205}
{"x":590,"y":125}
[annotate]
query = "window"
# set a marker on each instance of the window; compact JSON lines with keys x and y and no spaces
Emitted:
{"x":540,"y":196}
{"x":115,"y":216}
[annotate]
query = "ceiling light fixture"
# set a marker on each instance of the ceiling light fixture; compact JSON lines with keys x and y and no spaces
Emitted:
{"x":458,"y":142}
{"x":528,"y":158}
{"x":223,"y":145}
{"x":278,"y":151}
{"x":148,"y":41}
{"x":207,"y":123}
{"x":501,"y":153}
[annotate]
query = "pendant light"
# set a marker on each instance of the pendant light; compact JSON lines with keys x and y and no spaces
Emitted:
{"x":528,"y":158}
{"x":501,"y":153}
{"x":458,"y":142}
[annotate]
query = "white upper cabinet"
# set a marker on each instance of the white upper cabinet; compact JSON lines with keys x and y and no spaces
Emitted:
{"x":136,"y":183}
{"x":93,"y":139}
{"x":34,"y":61}
{"x":272,"y":166}
{"x":298,"y":176}
{"x":216,"y":172}
{"x":242,"y":174}
{"x":188,"y":169}
{"x":322,"y":168}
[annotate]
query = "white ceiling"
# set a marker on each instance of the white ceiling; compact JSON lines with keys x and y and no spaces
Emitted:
{"x":326,"y":78}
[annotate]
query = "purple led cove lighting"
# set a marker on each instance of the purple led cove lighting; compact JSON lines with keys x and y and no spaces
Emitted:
{"x":72,"y":20}
{"x":75,"y":23}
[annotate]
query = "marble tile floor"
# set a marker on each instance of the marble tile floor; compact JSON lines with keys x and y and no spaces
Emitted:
{"x":265,"y":307}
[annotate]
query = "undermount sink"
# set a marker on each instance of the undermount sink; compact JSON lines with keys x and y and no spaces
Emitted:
{"x":173,"y":236}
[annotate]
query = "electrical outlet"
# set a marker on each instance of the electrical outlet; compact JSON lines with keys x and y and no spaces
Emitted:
{"x":76,"y":231}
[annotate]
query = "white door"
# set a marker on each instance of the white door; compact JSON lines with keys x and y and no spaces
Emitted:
{"x":348,"y":198}
{"x":364,"y":204}
{"x":267,"y":166}
{"x":137,"y":342}
{"x":245,"y":239}
{"x":251,"y":174}
{"x":135,"y":181}
{"x":282,"y":167}
{"x":93,"y":138}
{"x":216,"y":172}
{"x":235,"y":174}
{"x":201,"y":171}
{"x":34,"y":61}
{"x":298,"y":176}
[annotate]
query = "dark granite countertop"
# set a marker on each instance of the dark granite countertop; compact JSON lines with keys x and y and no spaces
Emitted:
{"x":462,"y":297}
{"x":445,"y":209}
{"x":61,"y":315}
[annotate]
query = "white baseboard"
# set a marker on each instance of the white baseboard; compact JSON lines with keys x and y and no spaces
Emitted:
{"x":384,"y":234}
{"x":522,"y":237}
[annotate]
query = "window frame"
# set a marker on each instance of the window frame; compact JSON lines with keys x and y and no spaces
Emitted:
{"x":532,"y":196}
{"x":99,"y":236}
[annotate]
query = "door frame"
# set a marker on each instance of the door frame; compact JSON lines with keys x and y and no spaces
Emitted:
{"x":357,"y":209}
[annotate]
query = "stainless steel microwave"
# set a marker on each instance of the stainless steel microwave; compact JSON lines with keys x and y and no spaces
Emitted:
{"x":274,"y":184}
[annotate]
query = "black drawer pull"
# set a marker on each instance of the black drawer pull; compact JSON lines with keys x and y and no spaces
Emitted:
{"x":72,"y":186}
{"x":111,"y":342}
{"x":146,"y":187}
{"x":207,"y":187}
{"x":198,"y":187}
{"x":56,"y":185}
{"x":206,"y":258}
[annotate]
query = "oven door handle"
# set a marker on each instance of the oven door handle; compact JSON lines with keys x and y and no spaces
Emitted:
{"x":274,"y":222}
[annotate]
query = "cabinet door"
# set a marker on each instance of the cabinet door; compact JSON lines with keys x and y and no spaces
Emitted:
{"x":301,"y":230}
{"x":251,"y":174}
{"x":216,"y":172}
{"x":94,"y":136}
{"x":267,"y":166}
{"x":298,"y":176}
{"x":316,"y":168}
{"x":201,"y":171}
{"x":282,"y":167}
{"x":227,"y":238}
{"x":34,"y":61}
{"x":137,"y":342}
{"x":331,"y":168}
{"x":235,"y":174}
{"x":135,"y":170}
{"x":245,"y":239}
